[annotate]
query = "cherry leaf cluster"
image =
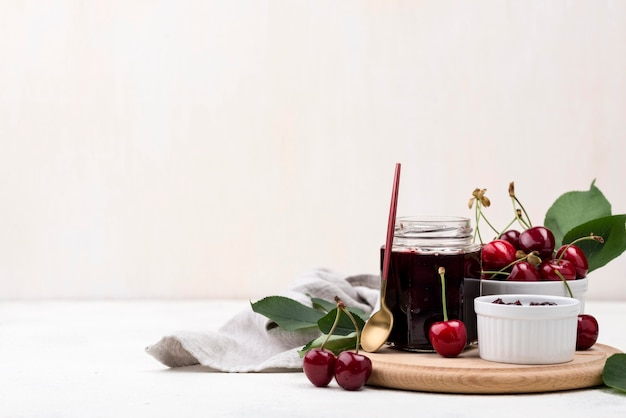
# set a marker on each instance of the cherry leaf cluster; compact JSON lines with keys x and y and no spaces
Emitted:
{"x":611,"y":228}
{"x":291,"y":315}
{"x":329,"y":355}
{"x":577,"y":214}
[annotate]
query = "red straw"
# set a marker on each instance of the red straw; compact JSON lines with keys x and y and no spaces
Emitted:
{"x":392,"y":222}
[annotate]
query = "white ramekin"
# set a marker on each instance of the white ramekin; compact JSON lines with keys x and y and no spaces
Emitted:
{"x":527,"y":334}
{"x":553,"y":288}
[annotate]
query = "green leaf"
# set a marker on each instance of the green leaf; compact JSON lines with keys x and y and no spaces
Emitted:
{"x":322,"y":304}
{"x":575,"y":208}
{"x":358,"y":312}
{"x":287,"y":313}
{"x":345,"y":325}
{"x":327,"y":306}
{"x":614,"y":373}
{"x":611,"y":228}
{"x":336,"y":343}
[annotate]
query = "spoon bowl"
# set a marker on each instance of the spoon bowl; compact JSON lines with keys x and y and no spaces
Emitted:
{"x":378,"y":326}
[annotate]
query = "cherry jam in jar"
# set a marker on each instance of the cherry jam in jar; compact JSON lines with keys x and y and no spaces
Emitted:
{"x":421,"y":245}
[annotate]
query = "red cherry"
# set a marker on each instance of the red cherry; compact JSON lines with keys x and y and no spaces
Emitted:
{"x":448,"y":338}
{"x":523,"y":271}
{"x":537,"y":238}
{"x":511,"y":236}
{"x":577,"y":257}
{"x":497,"y":254}
{"x":565,"y":267}
{"x":352,"y":370}
{"x":319,"y":366}
{"x":586,"y":332}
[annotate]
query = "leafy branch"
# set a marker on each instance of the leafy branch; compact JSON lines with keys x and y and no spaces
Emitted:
{"x":291,"y":315}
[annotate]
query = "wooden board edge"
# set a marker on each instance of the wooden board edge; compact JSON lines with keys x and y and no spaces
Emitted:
{"x":579,"y":376}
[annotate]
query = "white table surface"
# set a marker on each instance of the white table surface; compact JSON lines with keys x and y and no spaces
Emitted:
{"x":87,"y":359}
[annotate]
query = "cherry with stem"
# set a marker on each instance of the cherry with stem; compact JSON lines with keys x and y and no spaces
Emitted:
{"x":319,"y":363}
{"x":448,"y":337}
{"x":351,"y":368}
{"x":575,"y":254}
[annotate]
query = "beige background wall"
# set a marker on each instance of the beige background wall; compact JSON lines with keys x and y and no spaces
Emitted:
{"x":220,"y":148}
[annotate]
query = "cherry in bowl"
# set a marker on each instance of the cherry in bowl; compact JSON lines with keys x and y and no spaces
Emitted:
{"x":539,"y":239}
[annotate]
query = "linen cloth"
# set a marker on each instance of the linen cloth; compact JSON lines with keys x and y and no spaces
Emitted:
{"x":244,"y":343}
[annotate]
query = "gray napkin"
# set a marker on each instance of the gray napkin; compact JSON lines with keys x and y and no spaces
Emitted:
{"x":243,"y":344}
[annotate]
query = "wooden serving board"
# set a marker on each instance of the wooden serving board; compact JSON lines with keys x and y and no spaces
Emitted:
{"x":468,"y":373}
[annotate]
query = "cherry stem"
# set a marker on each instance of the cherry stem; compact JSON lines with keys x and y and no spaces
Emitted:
{"x":592,"y":237}
{"x":506,"y":227}
{"x":442,"y":274}
{"x":569,"y":290}
{"x":341,"y":306}
{"x":495,"y":273}
{"x":334,"y":327}
{"x":480,"y":214}
{"x":477,"y":230}
{"x":512,"y":263}
{"x":487,"y":221}
{"x":519,"y":212}
{"x":518,"y":216}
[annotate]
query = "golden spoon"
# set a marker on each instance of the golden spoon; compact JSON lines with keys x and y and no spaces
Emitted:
{"x":379,"y":325}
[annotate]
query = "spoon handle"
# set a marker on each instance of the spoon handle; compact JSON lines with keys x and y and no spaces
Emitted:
{"x":392,"y":222}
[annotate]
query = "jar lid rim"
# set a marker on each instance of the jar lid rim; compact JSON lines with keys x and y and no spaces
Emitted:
{"x":432,"y":218}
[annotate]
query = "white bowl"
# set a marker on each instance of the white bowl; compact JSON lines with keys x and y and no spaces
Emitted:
{"x":553,"y":288}
{"x":527,"y":334}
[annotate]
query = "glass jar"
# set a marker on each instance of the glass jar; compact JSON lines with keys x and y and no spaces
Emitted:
{"x":420,"y":246}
